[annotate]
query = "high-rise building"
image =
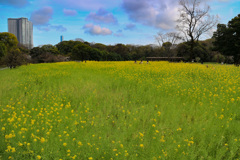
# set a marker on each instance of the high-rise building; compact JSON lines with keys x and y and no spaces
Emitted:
{"x":22,"y":29}
{"x":61,"y":38}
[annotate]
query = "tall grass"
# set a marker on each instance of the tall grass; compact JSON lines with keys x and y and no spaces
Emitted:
{"x":120,"y":110}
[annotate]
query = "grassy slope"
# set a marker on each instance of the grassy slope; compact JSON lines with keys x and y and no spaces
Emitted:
{"x":120,"y":110}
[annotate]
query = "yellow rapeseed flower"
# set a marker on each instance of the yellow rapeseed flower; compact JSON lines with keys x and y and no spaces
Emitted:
{"x":80,"y":143}
{"x":8,"y":149}
{"x":121,"y":145}
{"x":179,"y":129}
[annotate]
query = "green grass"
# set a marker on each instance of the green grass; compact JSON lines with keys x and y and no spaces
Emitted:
{"x":120,"y":110}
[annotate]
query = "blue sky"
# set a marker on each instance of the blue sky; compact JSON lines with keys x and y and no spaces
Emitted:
{"x":103,"y":21}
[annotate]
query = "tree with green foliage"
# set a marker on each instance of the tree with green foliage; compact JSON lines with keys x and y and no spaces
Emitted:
{"x":227,"y":39}
{"x":100,"y":46}
{"x":46,"y":54}
{"x":3,"y":50}
{"x":14,"y":58}
{"x":9,"y":40}
{"x":50,"y":49}
{"x":36,"y":52}
{"x":184,"y":50}
{"x":112,"y":56}
{"x":122,"y":50}
{"x":219,"y":58}
{"x":81,"y":52}
{"x":201,"y":52}
{"x":95,"y":54}
{"x":23,"y":49}
{"x":166,"y":46}
{"x":65,"y":47}
{"x":10,"y":54}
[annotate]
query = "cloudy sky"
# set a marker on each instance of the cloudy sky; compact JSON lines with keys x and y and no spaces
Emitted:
{"x":103,"y":21}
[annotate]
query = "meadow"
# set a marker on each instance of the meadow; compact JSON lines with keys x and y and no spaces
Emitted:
{"x":120,"y":110}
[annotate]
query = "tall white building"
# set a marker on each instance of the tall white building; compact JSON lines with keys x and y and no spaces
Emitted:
{"x":22,"y":29}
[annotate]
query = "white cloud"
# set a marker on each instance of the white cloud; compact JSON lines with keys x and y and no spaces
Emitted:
{"x":88,"y":4}
{"x":102,"y":16}
{"x":96,"y":30}
{"x":69,"y":12}
{"x":15,"y":3}
{"x":41,"y":16}
{"x":157,"y":13}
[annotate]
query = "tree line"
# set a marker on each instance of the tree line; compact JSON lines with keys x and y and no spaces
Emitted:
{"x":13,"y":54}
{"x":77,"y":50}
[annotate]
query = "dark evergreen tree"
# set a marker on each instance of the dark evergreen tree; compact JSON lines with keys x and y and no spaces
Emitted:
{"x":227,"y":39}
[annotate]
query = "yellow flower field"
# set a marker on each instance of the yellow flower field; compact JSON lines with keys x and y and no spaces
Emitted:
{"x":120,"y":110}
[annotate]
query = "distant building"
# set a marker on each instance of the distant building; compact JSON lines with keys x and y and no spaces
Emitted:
{"x":23,"y":30}
{"x":61,"y":38}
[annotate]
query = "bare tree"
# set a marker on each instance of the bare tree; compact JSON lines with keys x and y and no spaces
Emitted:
{"x":79,"y":39}
{"x":194,"y":20}
{"x":172,"y":37}
{"x":167,"y":42}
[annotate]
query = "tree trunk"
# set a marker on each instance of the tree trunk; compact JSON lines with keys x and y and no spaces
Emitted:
{"x":191,"y":50}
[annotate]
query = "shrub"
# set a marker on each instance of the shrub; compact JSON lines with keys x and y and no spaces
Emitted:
{"x":14,"y":58}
